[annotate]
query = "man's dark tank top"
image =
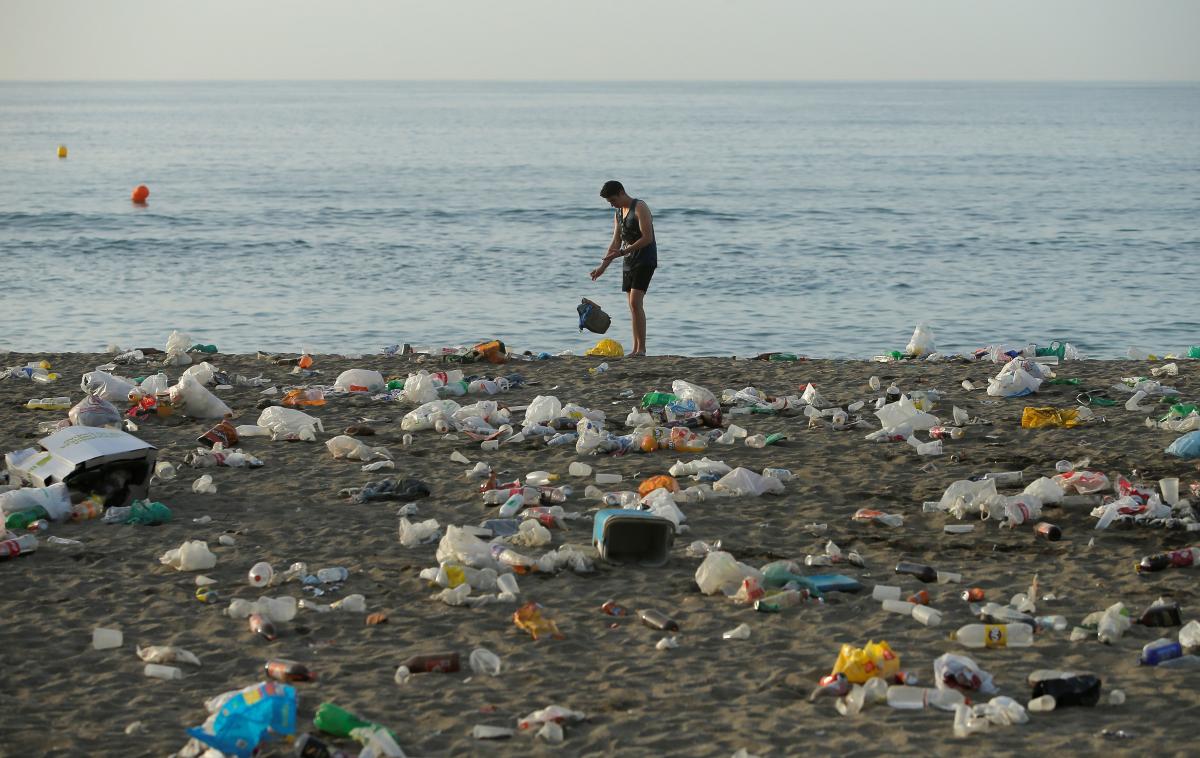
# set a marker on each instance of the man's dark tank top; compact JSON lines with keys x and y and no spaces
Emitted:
{"x":631,"y":232}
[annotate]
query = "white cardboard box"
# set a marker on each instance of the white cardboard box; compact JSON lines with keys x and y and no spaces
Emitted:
{"x":82,"y":455}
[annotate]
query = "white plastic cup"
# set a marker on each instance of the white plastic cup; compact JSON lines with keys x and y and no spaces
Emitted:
{"x":1170,"y":489}
{"x":926,"y":615}
{"x":260,"y":574}
{"x":103,"y":639}
{"x":874,"y":383}
{"x":508,"y":583}
{"x":157,"y":671}
{"x":885,"y":592}
{"x":903,"y":607}
{"x":579,"y":469}
{"x":607,"y":478}
{"x":490,"y":445}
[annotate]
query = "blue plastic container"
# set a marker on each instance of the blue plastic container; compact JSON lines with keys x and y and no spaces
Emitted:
{"x":625,"y":536}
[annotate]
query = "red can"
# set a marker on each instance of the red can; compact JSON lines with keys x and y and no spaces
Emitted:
{"x":973,"y":595}
{"x":921,"y":598}
{"x":612,"y":609}
{"x":436,"y":663}
{"x":1048,"y":531}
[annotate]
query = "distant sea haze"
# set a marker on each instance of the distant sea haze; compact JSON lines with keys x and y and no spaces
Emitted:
{"x":823,"y":219}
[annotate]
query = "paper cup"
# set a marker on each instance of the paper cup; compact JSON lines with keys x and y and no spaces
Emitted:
{"x":1170,"y":490}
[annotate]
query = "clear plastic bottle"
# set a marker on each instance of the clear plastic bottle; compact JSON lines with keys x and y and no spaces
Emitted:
{"x":260,"y":574}
{"x":994,"y":635}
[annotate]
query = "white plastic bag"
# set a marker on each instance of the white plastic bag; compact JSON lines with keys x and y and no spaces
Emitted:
{"x":154,"y":384}
{"x":192,"y":555}
{"x":195,"y":401}
{"x":662,"y":504}
{"x":413,"y":534}
{"x":203,"y":372}
{"x":419,"y":388}
{"x":1045,"y":489}
{"x":921,"y":343}
{"x":360,"y":380}
{"x":459,"y":546}
{"x":178,"y":342}
{"x":421,"y":418}
{"x":345,"y":446}
{"x":94,"y":411}
{"x":56,"y":499}
{"x":904,"y":413}
{"x":106,"y":386}
{"x":542,"y":409}
{"x":965,"y":495}
{"x":721,"y":572}
{"x":743,"y":481}
{"x":705,"y":400}
{"x":290,"y":424}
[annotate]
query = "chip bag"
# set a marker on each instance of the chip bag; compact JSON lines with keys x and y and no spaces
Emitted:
{"x":859,"y":664}
{"x":662,"y":481}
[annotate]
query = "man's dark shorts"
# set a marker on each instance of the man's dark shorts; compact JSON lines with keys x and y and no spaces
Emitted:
{"x":636,"y":278}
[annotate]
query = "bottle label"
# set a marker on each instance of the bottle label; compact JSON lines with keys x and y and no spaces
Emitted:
{"x":995,"y":635}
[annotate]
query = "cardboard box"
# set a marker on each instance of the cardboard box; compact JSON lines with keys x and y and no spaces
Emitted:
{"x":87,"y":459}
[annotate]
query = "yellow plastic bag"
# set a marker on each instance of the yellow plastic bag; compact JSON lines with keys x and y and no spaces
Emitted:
{"x":862,"y":663}
{"x":607,"y":348}
{"x":1039,"y":418}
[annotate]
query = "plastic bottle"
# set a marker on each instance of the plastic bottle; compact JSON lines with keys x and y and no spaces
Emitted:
{"x":22,"y":519}
{"x":658,"y":620}
{"x":1005,"y":478}
{"x":994,"y":635}
{"x":434,"y":663}
{"x":49,"y":404}
{"x":903,"y":607}
{"x":926,"y":615}
{"x":1154,"y":653}
{"x":260,"y":574}
{"x":1188,"y":556}
{"x":284,"y":670}
{"x":921,"y":571}
{"x":333,"y":575}
{"x":942,"y":432}
{"x":339,"y":722}
{"x":26,"y":543}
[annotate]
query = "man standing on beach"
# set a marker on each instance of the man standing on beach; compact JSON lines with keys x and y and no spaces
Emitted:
{"x":633,"y":239}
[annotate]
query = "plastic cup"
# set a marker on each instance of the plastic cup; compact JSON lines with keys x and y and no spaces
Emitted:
{"x":103,"y":639}
{"x":1170,"y":489}
{"x":607,"y":478}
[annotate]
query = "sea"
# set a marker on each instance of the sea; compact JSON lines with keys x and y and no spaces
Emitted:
{"x":825,"y":219}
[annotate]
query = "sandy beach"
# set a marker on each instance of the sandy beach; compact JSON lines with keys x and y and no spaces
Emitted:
{"x":708,"y":696}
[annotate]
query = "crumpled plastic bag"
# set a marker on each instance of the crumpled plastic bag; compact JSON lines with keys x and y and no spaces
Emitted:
{"x":106,"y":386}
{"x":1045,"y":489}
{"x":705,"y":400}
{"x":251,"y":716}
{"x":904,"y":413}
{"x":192,"y":555}
{"x":743,"y":481}
{"x":661,"y":503}
{"x":607,"y":348}
{"x":1186,"y":447}
{"x":875,"y":659}
{"x":360,"y":380}
{"x":422,"y":417}
{"x":413,"y":534}
{"x":56,"y":499}
{"x":959,"y":672}
{"x":1017,"y":378}
{"x":1082,"y":481}
{"x":204,"y":372}
{"x":965,"y":496}
{"x":721,"y":572}
{"x":345,"y":446}
{"x":290,"y":424}
{"x":195,"y":401}
{"x":459,"y":546}
{"x":419,"y":388}
{"x":921,"y":342}
{"x":178,"y":342}
{"x":94,"y":411}
{"x":542,"y":409}
{"x":531,"y":534}
{"x":166,"y":654}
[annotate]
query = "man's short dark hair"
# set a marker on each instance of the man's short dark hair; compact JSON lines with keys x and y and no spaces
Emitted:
{"x":612,"y":188}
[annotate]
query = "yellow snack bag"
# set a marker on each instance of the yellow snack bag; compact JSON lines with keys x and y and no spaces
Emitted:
{"x":861,"y":664}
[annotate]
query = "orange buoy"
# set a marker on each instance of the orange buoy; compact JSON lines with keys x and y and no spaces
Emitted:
{"x":62,"y":151}
{"x":140,"y":193}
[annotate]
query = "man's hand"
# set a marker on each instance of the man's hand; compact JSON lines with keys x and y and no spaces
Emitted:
{"x":599,"y":270}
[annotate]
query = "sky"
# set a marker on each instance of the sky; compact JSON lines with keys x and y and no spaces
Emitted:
{"x":804,"y":40}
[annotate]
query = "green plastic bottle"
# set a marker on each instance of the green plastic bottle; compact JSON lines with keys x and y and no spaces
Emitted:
{"x":22,"y":519}
{"x":775,"y":438}
{"x":340,"y":722}
{"x":651,"y":399}
{"x":784,"y":357}
{"x":1063,"y":381}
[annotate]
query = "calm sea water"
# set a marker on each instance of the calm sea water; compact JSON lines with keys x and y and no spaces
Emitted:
{"x":826,"y":219}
